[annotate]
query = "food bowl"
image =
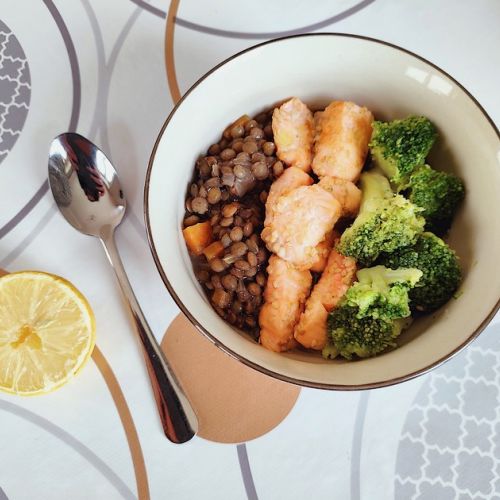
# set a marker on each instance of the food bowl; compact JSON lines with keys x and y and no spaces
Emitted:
{"x":392,"y":83}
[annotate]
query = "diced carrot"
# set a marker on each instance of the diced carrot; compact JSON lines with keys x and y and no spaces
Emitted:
{"x":198,"y":237}
{"x":240,"y":121}
{"x":215,"y":249}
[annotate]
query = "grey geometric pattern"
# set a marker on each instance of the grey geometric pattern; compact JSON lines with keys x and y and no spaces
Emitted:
{"x":15,"y":89}
{"x":450,"y":443}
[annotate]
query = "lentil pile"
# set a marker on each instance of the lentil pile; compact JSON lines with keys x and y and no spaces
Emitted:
{"x":229,"y":189}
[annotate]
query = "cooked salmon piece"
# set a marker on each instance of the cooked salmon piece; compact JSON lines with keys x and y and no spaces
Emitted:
{"x":301,"y":219}
{"x":346,"y":193}
{"x":293,"y":129}
{"x":323,"y":249}
{"x":290,"y":179}
{"x":339,"y":274}
{"x":284,"y":296}
{"x":311,"y":330}
{"x":342,"y":133}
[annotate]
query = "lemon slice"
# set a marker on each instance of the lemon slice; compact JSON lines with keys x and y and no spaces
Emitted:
{"x":47,"y":332}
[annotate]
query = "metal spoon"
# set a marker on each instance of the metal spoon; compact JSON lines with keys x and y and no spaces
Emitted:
{"x":88,"y":193}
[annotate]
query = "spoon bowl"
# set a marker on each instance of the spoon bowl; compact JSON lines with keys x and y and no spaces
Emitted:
{"x":85,"y":185}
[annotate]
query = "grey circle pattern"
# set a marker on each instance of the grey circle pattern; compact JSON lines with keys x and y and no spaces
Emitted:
{"x":15,"y":89}
{"x":450,"y":443}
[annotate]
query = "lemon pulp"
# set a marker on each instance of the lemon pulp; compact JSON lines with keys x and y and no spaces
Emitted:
{"x":47,"y":332}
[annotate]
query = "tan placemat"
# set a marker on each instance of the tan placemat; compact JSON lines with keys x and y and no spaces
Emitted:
{"x":234,"y":403}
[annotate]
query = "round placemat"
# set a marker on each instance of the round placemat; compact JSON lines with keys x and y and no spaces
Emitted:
{"x":234,"y":403}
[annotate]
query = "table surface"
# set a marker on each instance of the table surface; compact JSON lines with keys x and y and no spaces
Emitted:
{"x":99,"y":68}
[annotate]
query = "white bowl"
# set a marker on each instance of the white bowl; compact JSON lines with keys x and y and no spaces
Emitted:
{"x":391,"y":82}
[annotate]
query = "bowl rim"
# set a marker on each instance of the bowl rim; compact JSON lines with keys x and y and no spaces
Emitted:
{"x":210,"y":336}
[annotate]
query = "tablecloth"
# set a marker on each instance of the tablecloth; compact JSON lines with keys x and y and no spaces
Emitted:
{"x":99,"y":68}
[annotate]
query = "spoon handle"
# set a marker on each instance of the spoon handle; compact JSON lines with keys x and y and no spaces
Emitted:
{"x":177,"y":416}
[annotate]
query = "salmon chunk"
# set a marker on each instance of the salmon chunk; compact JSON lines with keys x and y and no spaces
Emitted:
{"x":342,"y":133}
{"x":293,"y":130}
{"x":323,"y":249}
{"x":345,"y":192}
{"x":301,"y":220}
{"x":286,"y":291}
{"x":311,"y":330}
{"x":339,"y":274}
{"x":290,"y":179}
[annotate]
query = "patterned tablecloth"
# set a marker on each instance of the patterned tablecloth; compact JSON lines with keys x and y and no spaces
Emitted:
{"x":100,"y":68}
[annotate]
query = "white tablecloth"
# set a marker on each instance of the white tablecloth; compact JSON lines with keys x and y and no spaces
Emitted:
{"x":99,"y":68}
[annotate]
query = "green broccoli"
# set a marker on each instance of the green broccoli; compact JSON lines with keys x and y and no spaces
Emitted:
{"x":385,"y":222}
{"x":363,"y":337}
{"x":438,"y":193}
{"x":370,"y":316}
{"x":329,"y":351}
{"x":381,"y":292}
{"x":439,"y":265}
{"x":398,"y":147}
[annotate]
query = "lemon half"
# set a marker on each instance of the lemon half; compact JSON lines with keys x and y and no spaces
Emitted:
{"x":47,"y":332}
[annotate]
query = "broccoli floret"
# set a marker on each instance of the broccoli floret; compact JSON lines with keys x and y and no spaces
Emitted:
{"x":370,"y":316}
{"x":329,"y":351}
{"x":399,"y":146}
{"x":363,"y":337}
{"x":385,"y":222}
{"x":439,"y":265}
{"x":438,"y":193}
{"x":382,"y":293}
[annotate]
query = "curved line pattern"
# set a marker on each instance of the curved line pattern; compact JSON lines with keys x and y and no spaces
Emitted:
{"x":138,"y":225}
{"x":101,"y":68}
{"x":32,"y":203}
{"x":173,"y":85}
{"x":73,"y":61}
{"x":123,"y":410}
{"x":73,"y":121}
{"x":246,"y":472}
{"x":150,"y":8}
{"x":251,"y":35}
{"x":109,"y":70}
{"x":273,"y":34}
{"x":28,"y":239}
{"x":105,"y":70}
{"x":356,"y":446}
{"x":73,"y":443}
